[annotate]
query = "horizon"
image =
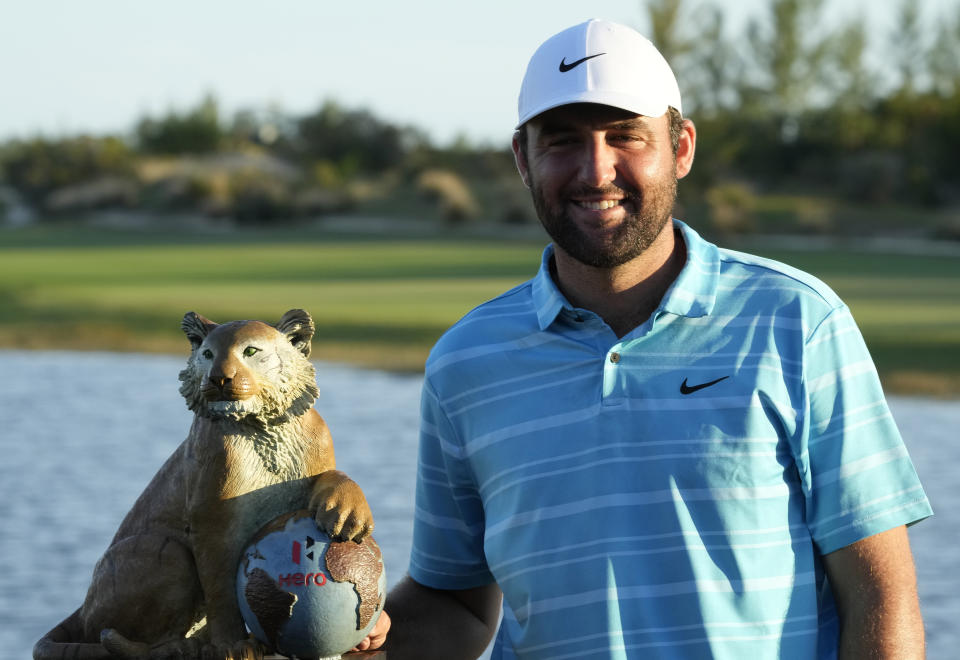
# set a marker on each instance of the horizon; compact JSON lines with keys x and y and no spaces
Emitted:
{"x":78,"y":69}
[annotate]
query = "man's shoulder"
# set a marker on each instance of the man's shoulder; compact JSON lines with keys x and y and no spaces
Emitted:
{"x":496,"y":321}
{"x":731,"y":281}
{"x":762,"y":277}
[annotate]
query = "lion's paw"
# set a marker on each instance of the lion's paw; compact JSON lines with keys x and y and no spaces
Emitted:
{"x":342,"y":510}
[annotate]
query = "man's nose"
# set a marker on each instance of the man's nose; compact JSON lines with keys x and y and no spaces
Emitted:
{"x":597,"y":163}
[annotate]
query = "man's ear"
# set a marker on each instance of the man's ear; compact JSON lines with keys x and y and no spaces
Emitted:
{"x":686,"y":148}
{"x":519,"y":156}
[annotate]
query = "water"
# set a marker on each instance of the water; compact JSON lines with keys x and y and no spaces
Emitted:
{"x":71,"y":467}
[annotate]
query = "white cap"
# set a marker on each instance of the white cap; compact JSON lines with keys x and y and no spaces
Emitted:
{"x":598,"y":62}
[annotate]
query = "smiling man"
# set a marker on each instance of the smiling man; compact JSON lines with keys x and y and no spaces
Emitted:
{"x":655,"y":448}
{"x":604,"y":182}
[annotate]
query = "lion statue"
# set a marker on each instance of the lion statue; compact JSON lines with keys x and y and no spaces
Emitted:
{"x":165,"y":588}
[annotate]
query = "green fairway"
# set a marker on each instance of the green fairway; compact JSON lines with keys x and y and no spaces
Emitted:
{"x":383,"y":302}
{"x":375,"y":302}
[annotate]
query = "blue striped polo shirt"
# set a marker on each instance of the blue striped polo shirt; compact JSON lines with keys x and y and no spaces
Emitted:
{"x":666,"y":494}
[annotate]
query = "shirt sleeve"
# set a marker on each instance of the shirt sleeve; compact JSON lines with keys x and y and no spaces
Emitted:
{"x":448,"y":528}
{"x":857,"y":476}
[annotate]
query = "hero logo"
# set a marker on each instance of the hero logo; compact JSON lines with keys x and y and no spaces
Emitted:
{"x":299,"y":579}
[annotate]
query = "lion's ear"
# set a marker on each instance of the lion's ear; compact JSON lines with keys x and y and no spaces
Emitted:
{"x":196,"y":328}
{"x":298,"y":327}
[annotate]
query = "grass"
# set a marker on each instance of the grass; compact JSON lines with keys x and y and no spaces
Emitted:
{"x":375,"y":302}
{"x":382,"y":302}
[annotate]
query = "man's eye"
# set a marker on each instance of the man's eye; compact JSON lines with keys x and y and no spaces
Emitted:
{"x":250,"y":351}
{"x":551,"y":140}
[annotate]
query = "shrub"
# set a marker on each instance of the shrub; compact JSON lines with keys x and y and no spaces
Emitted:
{"x":37,"y":167}
{"x":102,"y":193}
{"x":731,"y":206}
{"x":257,"y":199}
{"x":450,"y":193}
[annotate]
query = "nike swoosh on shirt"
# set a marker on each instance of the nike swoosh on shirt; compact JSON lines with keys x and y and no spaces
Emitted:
{"x":690,"y":389}
{"x":564,"y":67}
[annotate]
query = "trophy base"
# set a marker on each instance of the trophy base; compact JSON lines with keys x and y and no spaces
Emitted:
{"x":355,"y":655}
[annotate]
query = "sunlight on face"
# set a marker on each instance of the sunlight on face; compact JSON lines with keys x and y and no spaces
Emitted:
{"x":603,"y":181}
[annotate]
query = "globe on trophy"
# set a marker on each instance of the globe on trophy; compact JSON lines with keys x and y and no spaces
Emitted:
{"x":305,"y":595}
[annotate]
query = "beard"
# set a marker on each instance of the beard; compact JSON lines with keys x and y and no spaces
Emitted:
{"x":637,"y":232}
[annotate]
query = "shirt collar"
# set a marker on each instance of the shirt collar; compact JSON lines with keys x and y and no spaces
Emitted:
{"x":692,"y":294}
{"x":547,"y":299}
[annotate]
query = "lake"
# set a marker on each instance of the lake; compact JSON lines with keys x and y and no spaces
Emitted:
{"x":82,"y":434}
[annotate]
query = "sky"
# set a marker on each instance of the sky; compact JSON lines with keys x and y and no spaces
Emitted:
{"x":449,"y":68}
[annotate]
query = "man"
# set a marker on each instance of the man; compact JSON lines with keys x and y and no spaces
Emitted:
{"x":655,"y":448}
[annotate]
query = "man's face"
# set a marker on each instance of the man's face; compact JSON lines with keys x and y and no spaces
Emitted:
{"x":603,"y":180}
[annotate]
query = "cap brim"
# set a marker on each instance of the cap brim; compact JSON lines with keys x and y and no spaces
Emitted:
{"x":630,"y":104}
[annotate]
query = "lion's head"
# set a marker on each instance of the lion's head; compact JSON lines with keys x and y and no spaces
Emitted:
{"x":249,"y":371}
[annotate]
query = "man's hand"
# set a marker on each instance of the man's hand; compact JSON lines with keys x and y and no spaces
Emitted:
{"x":433,"y":623}
{"x":377,"y":636}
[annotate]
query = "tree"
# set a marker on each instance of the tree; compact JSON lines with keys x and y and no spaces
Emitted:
{"x":197,"y":131}
{"x":853,"y":86}
{"x":789,"y":55}
{"x":713,"y":77}
{"x":354,"y":140}
{"x":942,"y":60}
{"x":664,"y":17}
{"x":906,"y":45}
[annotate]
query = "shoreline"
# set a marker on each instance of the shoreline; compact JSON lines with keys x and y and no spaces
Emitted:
{"x":410,"y":360}
{"x":383,"y":291}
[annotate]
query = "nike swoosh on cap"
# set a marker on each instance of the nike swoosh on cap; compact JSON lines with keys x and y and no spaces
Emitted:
{"x":564,"y":67}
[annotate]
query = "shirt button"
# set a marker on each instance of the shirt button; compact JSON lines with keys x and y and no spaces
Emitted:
{"x":614,"y":358}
